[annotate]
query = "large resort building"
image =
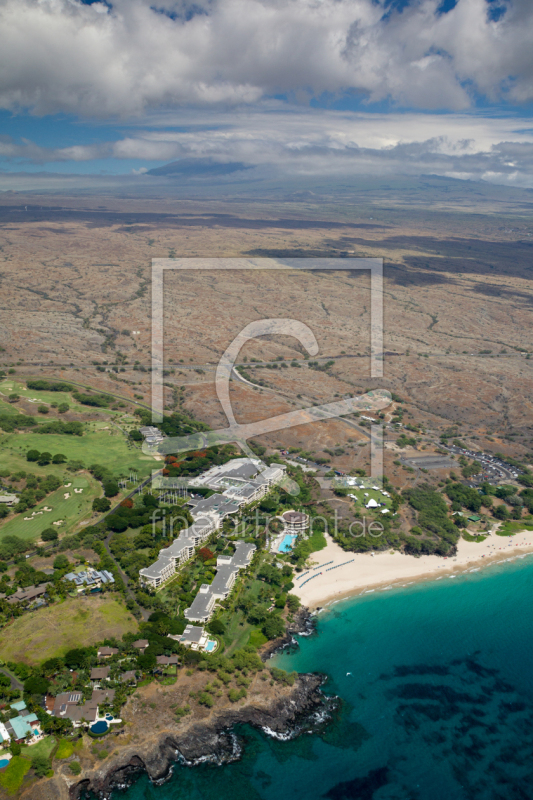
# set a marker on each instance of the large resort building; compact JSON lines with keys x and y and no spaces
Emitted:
{"x":227,"y":569}
{"x":236,"y":484}
{"x":179,"y":551}
{"x":295,"y":522}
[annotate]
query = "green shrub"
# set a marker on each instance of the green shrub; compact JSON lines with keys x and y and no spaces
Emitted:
{"x":48,"y":386}
{"x":205,"y":699}
{"x":293,"y":603}
{"x":40,"y":765}
{"x":234,"y":695}
{"x":281,"y":676}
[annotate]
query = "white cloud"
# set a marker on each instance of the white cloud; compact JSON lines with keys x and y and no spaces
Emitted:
{"x":276,"y":140}
{"x":62,"y":55}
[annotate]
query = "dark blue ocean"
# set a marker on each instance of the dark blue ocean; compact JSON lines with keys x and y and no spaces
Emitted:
{"x":438,"y":704}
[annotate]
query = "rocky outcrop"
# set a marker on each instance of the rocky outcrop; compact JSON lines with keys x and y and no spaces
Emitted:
{"x":303,"y":625}
{"x":210,"y":740}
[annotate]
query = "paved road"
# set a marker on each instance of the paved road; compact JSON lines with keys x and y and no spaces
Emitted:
{"x":349,"y":422}
{"x":144,"y":612}
{"x":15,"y":683}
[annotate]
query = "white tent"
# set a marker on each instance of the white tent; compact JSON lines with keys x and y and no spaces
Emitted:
{"x":372,"y":503}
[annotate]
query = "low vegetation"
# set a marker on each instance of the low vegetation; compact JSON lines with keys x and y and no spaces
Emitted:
{"x":75,"y":622}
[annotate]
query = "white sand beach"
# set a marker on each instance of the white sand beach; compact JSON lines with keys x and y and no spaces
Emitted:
{"x":366,"y":572}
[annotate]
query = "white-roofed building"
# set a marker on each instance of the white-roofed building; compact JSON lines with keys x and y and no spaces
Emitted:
{"x":228,"y":567}
{"x":239,"y":482}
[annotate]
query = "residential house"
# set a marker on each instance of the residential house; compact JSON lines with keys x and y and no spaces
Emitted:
{"x":99,"y":674}
{"x":167,"y":661}
{"x":107,"y":652}
{"x":89,"y":578}
{"x":141,"y":645}
{"x":22,"y":727}
{"x":67,"y":705}
{"x":194,"y":637}
{"x":101,"y":696}
{"x":30,"y":594}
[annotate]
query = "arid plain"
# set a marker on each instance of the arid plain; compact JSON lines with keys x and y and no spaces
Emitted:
{"x":76,"y":294}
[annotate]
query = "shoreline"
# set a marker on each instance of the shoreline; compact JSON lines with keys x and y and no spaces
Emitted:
{"x":381,"y":571}
{"x":204,"y":736}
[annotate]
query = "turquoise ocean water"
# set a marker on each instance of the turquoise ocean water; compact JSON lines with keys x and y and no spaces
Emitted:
{"x":438,"y":705}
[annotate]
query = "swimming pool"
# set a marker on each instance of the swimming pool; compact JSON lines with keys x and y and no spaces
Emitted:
{"x":287,"y":544}
{"x":109,"y":717}
{"x":99,"y":727}
{"x":4,"y":762}
{"x":210,"y":646}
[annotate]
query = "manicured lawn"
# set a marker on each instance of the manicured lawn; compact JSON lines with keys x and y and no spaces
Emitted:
{"x":107,"y":447}
{"x":8,"y":408}
{"x":237,"y":631}
{"x":12,"y":776}
{"x":257,"y":638}
{"x":42,"y":748}
{"x":98,"y":445}
{"x":72,"y":510}
{"x":77,"y":622}
{"x":46,"y":398}
{"x":64,"y":749}
{"x":372,"y":494}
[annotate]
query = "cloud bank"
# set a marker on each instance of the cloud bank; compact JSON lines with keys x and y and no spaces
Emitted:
{"x":125,"y":57}
{"x":274,"y":140}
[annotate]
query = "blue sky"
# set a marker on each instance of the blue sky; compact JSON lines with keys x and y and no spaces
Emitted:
{"x":285,"y":86}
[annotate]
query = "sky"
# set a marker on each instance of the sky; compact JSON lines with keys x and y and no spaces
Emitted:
{"x":265,"y":88}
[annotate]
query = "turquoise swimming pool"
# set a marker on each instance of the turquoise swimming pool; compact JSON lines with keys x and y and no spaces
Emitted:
{"x":99,"y":727}
{"x":287,"y":544}
{"x":4,"y":762}
{"x":210,"y":646}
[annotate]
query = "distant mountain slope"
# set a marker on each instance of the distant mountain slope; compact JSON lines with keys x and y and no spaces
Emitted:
{"x":192,"y":167}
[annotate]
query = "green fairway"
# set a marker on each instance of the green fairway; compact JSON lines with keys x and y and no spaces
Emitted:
{"x":72,"y":510}
{"x":46,"y":398}
{"x":8,"y":408}
{"x":76,"y":622}
{"x":105,"y":445}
